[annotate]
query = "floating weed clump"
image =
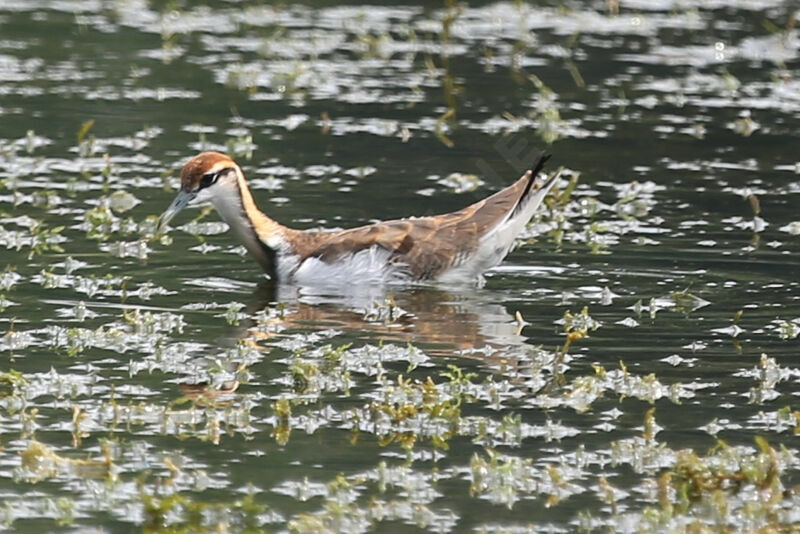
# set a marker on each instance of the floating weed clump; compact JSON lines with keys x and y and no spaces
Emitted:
{"x":581,"y":392}
{"x":329,"y":369}
{"x":644,"y":454}
{"x":12,"y":383}
{"x":412,"y":410}
{"x":149,"y":324}
{"x":94,"y":286}
{"x":578,"y":215}
{"x":686,"y":302}
{"x":731,"y":488}
{"x":681,"y":301}
{"x":39,"y":462}
{"x":35,"y":236}
{"x":505,"y":479}
{"x":178,"y":512}
{"x":385,"y":311}
{"x":769,"y":374}
{"x":138,"y":332}
{"x":401,"y":495}
{"x":101,"y":224}
{"x":311,"y":377}
{"x":405,"y":410}
{"x":15,"y":340}
{"x":9,"y":278}
{"x":128,"y":249}
{"x":788,"y":329}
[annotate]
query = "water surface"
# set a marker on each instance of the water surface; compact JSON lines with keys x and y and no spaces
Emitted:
{"x":644,"y":329}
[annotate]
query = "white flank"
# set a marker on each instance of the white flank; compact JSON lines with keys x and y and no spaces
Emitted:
{"x":368,"y":266}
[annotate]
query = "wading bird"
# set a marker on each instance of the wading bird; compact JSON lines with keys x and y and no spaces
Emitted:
{"x":454,"y":247}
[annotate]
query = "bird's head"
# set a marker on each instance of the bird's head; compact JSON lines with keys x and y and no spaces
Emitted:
{"x":209,"y":176}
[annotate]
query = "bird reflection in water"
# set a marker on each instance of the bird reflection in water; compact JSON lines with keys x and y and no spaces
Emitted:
{"x":442,"y":322}
{"x":452,"y":322}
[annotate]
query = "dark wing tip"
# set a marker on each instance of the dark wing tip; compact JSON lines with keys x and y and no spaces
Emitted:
{"x":537,"y":167}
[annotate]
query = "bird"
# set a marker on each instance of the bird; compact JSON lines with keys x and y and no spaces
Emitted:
{"x":451,"y":248}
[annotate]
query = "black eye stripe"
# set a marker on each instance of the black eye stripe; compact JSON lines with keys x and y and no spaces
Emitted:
{"x":210,"y":178}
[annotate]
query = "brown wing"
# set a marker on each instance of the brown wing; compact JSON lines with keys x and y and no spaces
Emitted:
{"x":427,"y":245}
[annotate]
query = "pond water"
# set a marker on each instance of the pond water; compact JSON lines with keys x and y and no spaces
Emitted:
{"x":631,"y":366}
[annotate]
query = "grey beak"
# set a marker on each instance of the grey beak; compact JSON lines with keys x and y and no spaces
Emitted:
{"x":177,"y":205}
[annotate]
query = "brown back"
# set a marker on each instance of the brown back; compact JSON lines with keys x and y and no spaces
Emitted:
{"x":427,"y":245}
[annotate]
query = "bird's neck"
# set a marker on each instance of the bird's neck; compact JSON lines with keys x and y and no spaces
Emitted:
{"x":263,"y":237}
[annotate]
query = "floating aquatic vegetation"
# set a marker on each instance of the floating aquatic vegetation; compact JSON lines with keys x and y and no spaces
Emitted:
{"x":11,"y":384}
{"x":37,"y":238}
{"x":788,"y":329}
{"x":176,"y":512}
{"x":730,"y":486}
{"x":157,"y":383}
{"x":39,"y":462}
{"x":386,"y":312}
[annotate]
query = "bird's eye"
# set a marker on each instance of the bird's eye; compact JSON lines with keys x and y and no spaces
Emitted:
{"x":210,"y":178}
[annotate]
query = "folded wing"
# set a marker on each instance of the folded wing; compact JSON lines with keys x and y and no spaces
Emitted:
{"x":429,"y":246}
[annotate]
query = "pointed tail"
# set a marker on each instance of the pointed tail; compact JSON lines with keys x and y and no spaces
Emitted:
{"x":534,"y":171}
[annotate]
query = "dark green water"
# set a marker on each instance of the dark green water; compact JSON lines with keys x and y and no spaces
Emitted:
{"x":680,"y":241}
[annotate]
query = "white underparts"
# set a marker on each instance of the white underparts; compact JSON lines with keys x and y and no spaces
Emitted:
{"x":367,"y":266}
